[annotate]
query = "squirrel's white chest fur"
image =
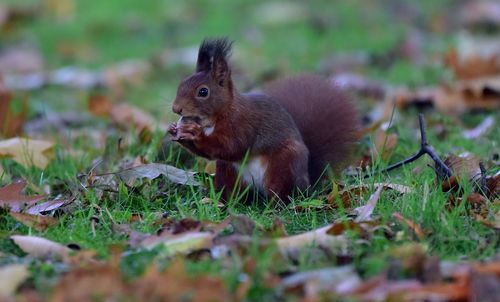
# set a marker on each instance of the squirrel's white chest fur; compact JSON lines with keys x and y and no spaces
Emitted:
{"x":252,"y":172}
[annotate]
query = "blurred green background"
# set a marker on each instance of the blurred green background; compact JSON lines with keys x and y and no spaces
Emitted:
{"x":272,"y":38}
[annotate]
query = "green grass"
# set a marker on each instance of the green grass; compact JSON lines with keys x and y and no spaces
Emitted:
{"x":112,"y":31}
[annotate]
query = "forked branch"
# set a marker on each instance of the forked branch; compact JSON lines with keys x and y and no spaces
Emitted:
{"x":442,"y":169}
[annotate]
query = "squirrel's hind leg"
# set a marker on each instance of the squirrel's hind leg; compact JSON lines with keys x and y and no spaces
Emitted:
{"x":287,"y":169}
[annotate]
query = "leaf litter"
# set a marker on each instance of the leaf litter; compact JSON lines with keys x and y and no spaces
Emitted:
{"x":411,"y":273}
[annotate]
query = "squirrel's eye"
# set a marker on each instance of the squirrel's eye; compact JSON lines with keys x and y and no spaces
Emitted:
{"x":203,"y":92}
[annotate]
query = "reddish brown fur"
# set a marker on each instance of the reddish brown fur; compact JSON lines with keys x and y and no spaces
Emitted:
{"x":287,"y":169}
{"x":300,"y":126}
{"x":326,"y":118}
{"x":225,"y":179}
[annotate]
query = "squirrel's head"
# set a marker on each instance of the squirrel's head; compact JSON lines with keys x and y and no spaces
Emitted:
{"x":210,"y":89}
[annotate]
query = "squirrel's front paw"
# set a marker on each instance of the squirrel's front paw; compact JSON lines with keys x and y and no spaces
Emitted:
{"x":189,"y":131}
{"x":172,"y":129}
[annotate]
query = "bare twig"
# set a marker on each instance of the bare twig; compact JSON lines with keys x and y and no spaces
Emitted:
{"x":442,"y":169}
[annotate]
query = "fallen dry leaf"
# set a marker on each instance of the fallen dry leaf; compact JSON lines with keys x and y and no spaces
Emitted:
{"x":12,"y":276}
{"x":464,"y":166}
{"x":174,"y":284}
{"x":480,"y":129}
{"x":152,"y":171}
{"x":179,"y":244}
{"x":337,"y":280}
{"x":493,"y":186}
{"x":38,"y":222}
{"x":348,"y":194}
{"x":88,"y":282}
{"x":472,"y":66}
{"x":363,"y":228}
{"x":11,"y":196}
{"x":41,"y":248}
{"x":365,"y":212}
{"x":27,"y":152}
{"x":100,"y":105}
{"x":11,"y":123}
{"x":318,"y":237}
{"x":50,"y":205}
{"x":412,"y":225}
{"x":454,"y":99}
{"x":106,"y":281}
{"x":174,"y":227}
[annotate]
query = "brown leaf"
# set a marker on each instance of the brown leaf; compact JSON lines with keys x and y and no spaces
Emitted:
{"x":493,"y":186}
{"x":478,"y":204}
{"x":105,"y":281}
{"x":450,"y":184}
{"x":488,"y":268}
{"x":495,"y":223}
{"x":38,"y":222}
{"x":339,"y":228}
{"x":472,"y":66}
{"x":27,"y":152}
{"x":100,"y":105}
{"x":174,"y":284}
{"x":11,"y":196}
{"x":464,"y":166}
{"x":173,"y":227}
{"x":11,"y":123}
{"x":455,"y":98}
{"x":457,"y":292}
{"x":86,"y":283}
{"x":412,"y":225}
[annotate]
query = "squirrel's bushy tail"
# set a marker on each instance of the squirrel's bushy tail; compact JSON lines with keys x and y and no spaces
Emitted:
{"x":326,"y":118}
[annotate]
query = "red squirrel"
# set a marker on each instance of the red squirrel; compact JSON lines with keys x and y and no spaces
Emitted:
{"x":276,"y":141}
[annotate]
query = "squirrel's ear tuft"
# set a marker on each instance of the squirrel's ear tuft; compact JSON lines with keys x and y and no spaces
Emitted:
{"x":220,"y":67}
{"x":213,"y":56}
{"x":205,"y":56}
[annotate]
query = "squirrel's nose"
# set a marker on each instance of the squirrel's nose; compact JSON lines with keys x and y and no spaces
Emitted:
{"x":177,"y":109}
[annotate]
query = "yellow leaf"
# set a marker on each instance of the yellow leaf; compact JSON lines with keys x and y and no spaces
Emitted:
{"x":12,"y":276}
{"x":27,"y":152}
